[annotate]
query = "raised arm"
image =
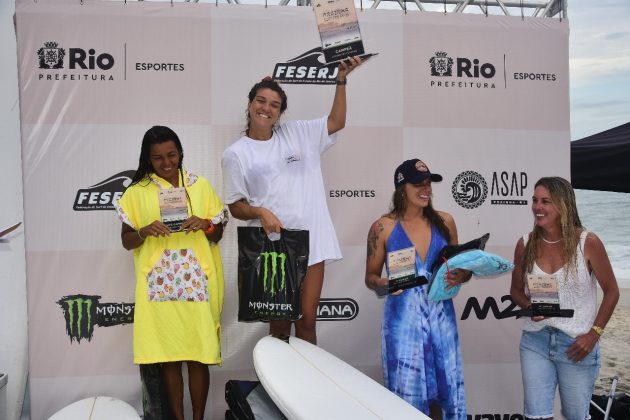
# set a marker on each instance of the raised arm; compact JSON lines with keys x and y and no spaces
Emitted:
{"x":337,"y":116}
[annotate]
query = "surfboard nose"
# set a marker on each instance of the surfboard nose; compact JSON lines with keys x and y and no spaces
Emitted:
{"x":97,"y":408}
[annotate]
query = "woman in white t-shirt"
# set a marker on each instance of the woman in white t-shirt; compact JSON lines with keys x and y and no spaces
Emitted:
{"x":273,"y":179}
{"x":560,"y":352}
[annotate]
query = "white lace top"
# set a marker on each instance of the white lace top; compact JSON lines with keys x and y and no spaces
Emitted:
{"x":577,"y":292}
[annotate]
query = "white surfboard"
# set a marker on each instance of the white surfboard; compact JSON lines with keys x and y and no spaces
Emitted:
{"x":306,"y":382}
{"x":97,"y":408}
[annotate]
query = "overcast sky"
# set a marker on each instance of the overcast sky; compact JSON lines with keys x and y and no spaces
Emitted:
{"x":599,"y":60}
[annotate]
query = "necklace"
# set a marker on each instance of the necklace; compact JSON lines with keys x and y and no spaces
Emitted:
{"x":550,"y":242}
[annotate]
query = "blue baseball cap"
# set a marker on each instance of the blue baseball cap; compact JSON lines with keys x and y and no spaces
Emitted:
{"x":413,"y":171}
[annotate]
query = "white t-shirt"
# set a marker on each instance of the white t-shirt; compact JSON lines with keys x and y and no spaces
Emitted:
{"x":283,"y":174}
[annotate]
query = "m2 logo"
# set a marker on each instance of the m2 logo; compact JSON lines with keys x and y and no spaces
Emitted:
{"x":490,"y":305}
{"x":270,"y":262}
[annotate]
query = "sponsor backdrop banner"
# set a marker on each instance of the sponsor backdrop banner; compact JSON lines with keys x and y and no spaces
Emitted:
{"x":482,"y":100}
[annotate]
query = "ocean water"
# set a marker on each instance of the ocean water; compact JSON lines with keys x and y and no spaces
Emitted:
{"x":608,"y":215}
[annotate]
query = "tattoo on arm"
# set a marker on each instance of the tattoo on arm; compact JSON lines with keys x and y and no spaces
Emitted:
{"x":377,"y":228}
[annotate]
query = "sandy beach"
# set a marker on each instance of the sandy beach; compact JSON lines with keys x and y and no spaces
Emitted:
{"x":615,"y":348}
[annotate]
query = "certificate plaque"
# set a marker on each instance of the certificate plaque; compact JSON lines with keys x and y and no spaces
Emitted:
{"x":543,"y":294}
{"x":338,"y":27}
{"x":401,"y":268}
{"x":173,"y":207}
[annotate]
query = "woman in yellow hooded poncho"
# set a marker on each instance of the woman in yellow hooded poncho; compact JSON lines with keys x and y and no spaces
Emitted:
{"x":179,"y":275}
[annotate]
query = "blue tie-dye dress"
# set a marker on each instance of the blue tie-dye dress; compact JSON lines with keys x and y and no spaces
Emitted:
{"x":422,"y":360}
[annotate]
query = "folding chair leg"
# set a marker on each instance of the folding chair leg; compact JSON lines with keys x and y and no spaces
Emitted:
{"x":611,"y":397}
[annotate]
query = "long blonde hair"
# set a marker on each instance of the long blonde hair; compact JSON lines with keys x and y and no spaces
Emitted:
{"x":563,"y":199}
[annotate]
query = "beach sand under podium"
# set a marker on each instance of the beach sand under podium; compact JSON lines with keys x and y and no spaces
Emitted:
{"x":615,"y":348}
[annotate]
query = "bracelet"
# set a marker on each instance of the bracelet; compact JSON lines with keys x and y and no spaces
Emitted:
{"x":598,"y":330}
{"x":341,"y":82}
{"x":210,"y":229}
{"x":140,"y":236}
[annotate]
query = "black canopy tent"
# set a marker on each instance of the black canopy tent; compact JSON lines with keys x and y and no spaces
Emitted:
{"x":602,"y":161}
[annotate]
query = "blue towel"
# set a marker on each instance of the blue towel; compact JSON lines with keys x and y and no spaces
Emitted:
{"x":481,"y":263}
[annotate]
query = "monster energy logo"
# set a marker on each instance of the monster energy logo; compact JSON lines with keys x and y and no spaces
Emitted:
{"x":79,"y":311}
{"x":83,"y":312}
{"x":268,"y":282}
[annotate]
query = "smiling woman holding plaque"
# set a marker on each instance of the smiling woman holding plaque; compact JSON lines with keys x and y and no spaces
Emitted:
{"x":557,"y":268}
{"x":422,"y":360}
{"x":273,"y":179}
{"x":172,"y":219}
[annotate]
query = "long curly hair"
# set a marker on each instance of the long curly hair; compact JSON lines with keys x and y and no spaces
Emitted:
{"x":563,"y":200}
{"x":399,"y":205}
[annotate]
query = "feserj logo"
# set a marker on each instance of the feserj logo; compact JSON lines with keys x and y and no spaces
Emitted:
{"x":307,"y":68}
{"x":101,"y":196}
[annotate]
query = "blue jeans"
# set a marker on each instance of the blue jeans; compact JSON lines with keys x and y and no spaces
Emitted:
{"x":545,"y":365}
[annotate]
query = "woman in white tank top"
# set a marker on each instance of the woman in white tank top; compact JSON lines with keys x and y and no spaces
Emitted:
{"x":562,"y":352}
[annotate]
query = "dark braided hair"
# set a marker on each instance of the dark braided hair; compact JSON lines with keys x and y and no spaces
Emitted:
{"x":155,"y":135}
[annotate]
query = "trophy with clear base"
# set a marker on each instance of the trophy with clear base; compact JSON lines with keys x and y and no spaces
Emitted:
{"x":401,"y":270}
{"x":543,"y":294}
{"x":339,"y":31}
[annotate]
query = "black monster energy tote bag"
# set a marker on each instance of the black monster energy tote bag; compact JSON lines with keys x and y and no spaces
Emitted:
{"x":270,"y":274}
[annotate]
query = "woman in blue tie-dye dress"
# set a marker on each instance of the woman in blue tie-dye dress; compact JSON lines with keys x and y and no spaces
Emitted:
{"x":422,"y":360}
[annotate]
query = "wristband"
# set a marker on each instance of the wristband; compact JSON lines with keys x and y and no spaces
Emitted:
{"x":341,"y":82}
{"x":140,"y":236}
{"x":210,"y":229}
{"x":598,"y":330}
